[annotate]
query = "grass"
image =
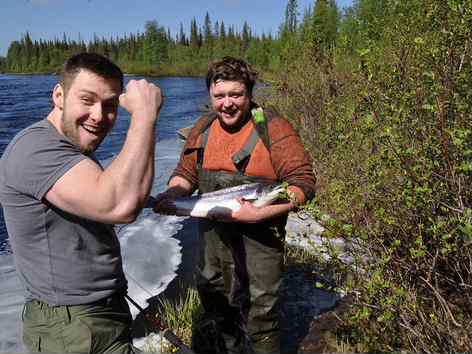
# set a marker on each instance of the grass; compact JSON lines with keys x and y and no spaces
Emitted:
{"x":342,"y":345}
{"x":178,"y":316}
{"x":297,"y":255}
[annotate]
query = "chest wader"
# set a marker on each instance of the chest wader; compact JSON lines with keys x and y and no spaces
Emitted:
{"x":240,"y":269}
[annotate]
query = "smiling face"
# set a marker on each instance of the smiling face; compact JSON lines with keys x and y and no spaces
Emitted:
{"x":89,"y":109}
{"x":231,"y":101}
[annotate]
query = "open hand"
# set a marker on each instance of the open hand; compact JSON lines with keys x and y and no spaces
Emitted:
{"x":247,"y":213}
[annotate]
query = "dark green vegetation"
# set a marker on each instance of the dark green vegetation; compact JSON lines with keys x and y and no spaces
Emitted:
{"x":381,"y":95}
{"x":2,"y":64}
{"x":154,"y":52}
{"x":383,"y":102}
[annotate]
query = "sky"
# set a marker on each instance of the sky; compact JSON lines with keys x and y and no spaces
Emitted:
{"x":47,"y":19}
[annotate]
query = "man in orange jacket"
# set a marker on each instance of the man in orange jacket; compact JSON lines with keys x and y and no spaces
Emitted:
{"x":241,"y":261}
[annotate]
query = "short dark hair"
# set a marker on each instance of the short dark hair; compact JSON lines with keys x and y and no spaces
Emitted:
{"x":231,"y":69}
{"x":93,"y":62}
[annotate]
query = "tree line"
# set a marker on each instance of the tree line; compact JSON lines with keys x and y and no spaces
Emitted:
{"x":158,"y":51}
{"x":155,"y":51}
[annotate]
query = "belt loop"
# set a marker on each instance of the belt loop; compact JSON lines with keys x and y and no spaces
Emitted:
{"x":23,"y":312}
{"x":69,"y":316}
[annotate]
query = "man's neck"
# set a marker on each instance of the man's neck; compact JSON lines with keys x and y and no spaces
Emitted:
{"x":55,"y":117}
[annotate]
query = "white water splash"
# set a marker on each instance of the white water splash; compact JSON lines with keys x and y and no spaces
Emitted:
{"x":151,"y":256}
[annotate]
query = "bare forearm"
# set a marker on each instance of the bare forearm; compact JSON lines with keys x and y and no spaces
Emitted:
{"x":274,"y":210}
{"x":129,"y":177}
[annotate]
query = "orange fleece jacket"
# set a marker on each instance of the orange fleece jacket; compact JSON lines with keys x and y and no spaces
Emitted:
{"x":287,"y":160}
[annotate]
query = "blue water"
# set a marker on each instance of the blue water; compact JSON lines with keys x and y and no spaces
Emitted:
{"x":25,"y":99}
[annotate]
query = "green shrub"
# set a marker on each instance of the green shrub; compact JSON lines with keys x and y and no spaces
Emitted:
{"x":389,"y":130}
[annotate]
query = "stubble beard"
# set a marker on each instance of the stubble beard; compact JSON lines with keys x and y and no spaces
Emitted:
{"x":71,"y":132}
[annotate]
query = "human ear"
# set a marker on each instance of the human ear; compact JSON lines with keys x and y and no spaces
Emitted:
{"x":58,"y":96}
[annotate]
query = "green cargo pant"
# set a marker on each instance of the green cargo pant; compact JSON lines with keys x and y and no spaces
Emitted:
{"x":101,"y":327}
{"x":238,"y":280}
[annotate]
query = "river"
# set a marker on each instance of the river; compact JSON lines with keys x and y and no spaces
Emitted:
{"x":25,"y":99}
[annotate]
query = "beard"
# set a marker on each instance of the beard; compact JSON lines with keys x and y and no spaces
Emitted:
{"x":71,"y":131}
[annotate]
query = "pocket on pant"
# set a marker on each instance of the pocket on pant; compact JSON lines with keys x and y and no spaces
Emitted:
{"x":32,"y":342}
{"x":33,"y":327}
{"x":78,"y":337}
{"x":46,"y":342}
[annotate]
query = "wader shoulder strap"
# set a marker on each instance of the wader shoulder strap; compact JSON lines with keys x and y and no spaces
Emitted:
{"x":205,"y":132}
{"x":205,"y":128}
{"x":241,"y":158}
{"x":261,"y":121}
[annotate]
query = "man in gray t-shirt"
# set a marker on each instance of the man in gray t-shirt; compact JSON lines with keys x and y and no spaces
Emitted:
{"x":60,"y":206}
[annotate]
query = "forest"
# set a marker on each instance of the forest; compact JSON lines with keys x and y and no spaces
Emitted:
{"x":156,"y":51}
{"x":380,"y":94}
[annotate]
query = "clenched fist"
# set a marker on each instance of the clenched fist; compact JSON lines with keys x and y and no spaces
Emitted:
{"x":142,"y":99}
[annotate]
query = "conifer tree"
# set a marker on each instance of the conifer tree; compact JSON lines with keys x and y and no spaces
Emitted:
{"x":291,"y":14}
{"x":216,"y":30}
{"x":182,"y":37}
{"x":207,"y":30}
{"x":194,"y":41}
{"x":325,"y":25}
{"x":246,"y":36}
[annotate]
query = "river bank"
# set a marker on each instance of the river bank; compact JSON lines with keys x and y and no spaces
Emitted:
{"x":264,"y":77}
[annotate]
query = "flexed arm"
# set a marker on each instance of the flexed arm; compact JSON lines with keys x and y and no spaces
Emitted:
{"x":117,"y":194}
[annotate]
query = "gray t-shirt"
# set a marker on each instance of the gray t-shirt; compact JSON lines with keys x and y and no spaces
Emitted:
{"x":62,"y":259}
